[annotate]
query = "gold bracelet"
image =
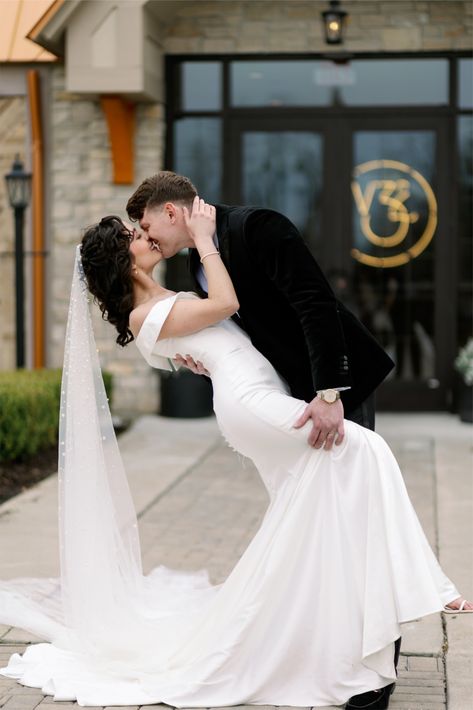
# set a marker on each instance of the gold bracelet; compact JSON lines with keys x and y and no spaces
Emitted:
{"x":208,"y":254}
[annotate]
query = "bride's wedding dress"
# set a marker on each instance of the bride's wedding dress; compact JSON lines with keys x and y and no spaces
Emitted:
{"x":309,"y":614}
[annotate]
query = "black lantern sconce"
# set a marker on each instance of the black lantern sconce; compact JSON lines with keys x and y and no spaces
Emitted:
{"x":19,"y":191}
{"x":334,"y":23}
{"x":18,"y":185}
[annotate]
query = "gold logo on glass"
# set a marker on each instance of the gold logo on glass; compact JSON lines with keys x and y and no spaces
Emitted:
{"x":411,"y":231}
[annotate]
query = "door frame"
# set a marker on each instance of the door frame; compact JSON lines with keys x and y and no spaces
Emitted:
{"x":337,"y":131}
{"x":267,"y":122}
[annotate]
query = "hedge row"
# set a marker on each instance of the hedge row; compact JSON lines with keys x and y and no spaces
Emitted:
{"x":29,"y":411}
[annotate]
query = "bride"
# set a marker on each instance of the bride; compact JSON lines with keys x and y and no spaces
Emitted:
{"x":310,"y":613}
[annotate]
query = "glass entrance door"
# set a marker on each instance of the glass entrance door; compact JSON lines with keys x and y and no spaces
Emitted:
{"x":280,"y":165}
{"x":283,"y":170}
{"x":393,"y":245}
{"x":369,"y":196}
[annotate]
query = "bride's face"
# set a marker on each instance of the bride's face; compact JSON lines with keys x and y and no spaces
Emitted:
{"x":145,"y":254}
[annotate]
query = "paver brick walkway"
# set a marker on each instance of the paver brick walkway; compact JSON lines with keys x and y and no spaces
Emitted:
{"x":206,"y":519}
{"x":421,"y":686}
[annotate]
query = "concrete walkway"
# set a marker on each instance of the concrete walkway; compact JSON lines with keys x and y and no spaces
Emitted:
{"x":199,"y":504}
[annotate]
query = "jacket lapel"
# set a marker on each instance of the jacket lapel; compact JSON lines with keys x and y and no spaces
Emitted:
{"x":223,"y":235}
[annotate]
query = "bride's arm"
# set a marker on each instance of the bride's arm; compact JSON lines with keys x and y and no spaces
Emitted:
{"x":190,"y":316}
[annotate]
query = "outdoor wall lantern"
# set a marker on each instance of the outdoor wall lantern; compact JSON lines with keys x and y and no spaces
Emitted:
{"x":19,"y":191}
{"x":334,"y":23}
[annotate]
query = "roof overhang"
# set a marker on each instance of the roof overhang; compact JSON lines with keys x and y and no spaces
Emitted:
{"x":50,"y":29}
{"x":17,"y":16}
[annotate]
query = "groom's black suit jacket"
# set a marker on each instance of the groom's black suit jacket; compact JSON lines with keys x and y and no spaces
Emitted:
{"x":289,"y":310}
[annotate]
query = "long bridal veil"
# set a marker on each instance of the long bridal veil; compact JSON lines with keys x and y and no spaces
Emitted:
{"x":102,"y":604}
{"x":99,"y":547}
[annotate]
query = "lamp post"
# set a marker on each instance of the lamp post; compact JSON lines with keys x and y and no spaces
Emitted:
{"x":334,"y":23}
{"x":19,"y":190}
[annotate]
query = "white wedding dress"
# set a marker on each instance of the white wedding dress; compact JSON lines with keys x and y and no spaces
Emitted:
{"x":309,"y":614}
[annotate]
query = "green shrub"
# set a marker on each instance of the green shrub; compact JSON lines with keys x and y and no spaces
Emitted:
{"x":29,"y":411}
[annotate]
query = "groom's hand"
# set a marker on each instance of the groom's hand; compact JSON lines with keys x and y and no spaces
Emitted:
{"x":327,"y":423}
{"x":195,"y":367}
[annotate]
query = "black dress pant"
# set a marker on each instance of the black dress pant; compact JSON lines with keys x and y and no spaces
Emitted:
{"x":364,"y":415}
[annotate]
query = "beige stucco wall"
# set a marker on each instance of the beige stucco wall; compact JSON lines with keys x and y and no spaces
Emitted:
{"x":80,"y":162}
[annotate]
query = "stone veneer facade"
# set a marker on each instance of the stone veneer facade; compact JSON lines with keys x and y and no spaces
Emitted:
{"x":81,"y":193}
{"x":13,"y":132}
{"x":81,"y":190}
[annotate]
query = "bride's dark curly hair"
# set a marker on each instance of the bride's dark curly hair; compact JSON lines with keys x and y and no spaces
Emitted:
{"x":107,"y":266}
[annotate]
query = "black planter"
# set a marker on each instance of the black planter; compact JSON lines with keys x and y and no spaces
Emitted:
{"x":185,"y":395}
{"x":465,"y":403}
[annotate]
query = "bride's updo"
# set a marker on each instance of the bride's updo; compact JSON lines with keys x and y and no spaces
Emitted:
{"x":107,"y":266}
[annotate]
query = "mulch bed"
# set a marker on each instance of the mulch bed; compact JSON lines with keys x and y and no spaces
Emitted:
{"x":17,"y":476}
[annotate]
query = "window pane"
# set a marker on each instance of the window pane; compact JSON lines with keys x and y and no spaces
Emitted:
{"x":465,"y":227}
{"x":387,"y":82}
{"x":201,"y":86}
{"x":276,"y":84}
{"x":284,"y":171}
{"x":197,"y":154}
{"x":381,"y":82}
{"x":465,"y":89}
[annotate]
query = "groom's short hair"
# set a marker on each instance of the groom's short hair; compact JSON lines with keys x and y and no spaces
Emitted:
{"x":154,"y":191}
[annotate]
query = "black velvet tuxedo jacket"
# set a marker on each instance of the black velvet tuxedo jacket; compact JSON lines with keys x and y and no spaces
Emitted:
{"x":289,"y":310}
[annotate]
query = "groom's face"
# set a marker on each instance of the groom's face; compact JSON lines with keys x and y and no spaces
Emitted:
{"x":165,"y":225}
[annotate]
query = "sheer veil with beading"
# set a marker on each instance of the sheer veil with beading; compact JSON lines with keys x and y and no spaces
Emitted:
{"x":98,"y":596}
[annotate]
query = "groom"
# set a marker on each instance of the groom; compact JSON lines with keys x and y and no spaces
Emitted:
{"x":287,"y":308}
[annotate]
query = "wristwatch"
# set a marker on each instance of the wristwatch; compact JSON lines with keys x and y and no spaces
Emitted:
{"x":329,"y":396}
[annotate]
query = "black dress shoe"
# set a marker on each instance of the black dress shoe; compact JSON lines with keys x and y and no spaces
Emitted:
{"x":372,"y":700}
{"x":376,"y":699}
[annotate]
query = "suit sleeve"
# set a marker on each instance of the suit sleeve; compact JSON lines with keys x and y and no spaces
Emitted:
{"x":278,"y":248}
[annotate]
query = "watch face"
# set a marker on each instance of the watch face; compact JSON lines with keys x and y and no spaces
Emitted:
{"x":330,"y":396}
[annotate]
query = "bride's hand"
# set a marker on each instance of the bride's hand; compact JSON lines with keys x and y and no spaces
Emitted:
{"x":201,"y":222}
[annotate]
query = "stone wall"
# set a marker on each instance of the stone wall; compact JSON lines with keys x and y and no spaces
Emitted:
{"x":81,"y":193}
{"x":13,"y":132}
{"x":295,"y":26}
